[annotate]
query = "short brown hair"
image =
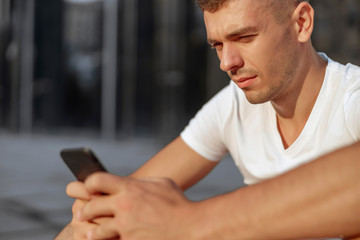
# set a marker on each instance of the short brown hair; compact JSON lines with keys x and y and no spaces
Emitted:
{"x":277,"y":7}
{"x":211,"y":5}
{"x":281,"y":10}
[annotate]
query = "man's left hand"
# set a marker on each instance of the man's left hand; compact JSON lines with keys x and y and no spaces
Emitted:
{"x":138,"y":208}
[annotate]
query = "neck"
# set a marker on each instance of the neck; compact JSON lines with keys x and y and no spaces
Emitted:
{"x":294,"y":107}
{"x":301,"y":96}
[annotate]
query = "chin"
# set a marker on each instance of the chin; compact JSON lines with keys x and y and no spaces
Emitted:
{"x":254,"y":98}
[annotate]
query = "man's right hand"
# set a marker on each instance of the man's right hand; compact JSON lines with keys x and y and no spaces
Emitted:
{"x":77,"y":230}
{"x":80,"y":228}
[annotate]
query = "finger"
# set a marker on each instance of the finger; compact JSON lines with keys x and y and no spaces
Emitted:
{"x":104,"y":183}
{"x":101,"y":220}
{"x":77,"y":190}
{"x":97,"y":208}
{"x":81,"y":228}
{"x":107,"y":230}
{"x":77,"y":206}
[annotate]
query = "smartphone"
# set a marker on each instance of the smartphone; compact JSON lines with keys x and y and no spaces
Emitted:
{"x":82,"y":162}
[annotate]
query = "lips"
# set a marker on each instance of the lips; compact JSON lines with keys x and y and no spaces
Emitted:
{"x":244,"y":82}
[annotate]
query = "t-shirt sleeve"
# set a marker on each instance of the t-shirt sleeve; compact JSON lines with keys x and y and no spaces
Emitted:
{"x":204,"y":133}
{"x":353,"y":118}
{"x":352,"y":106}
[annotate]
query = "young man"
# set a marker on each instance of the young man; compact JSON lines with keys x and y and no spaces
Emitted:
{"x":282,"y":116}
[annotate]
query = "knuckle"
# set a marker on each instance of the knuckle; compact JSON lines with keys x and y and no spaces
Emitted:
{"x":169,"y":183}
{"x":126,"y":203}
{"x":95,"y":180}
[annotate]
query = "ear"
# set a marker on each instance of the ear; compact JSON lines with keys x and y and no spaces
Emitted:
{"x":304,"y":16}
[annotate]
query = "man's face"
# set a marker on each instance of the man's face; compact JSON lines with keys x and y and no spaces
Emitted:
{"x":257,"y":53}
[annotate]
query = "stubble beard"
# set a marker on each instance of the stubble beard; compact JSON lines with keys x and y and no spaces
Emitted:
{"x":283,"y":69}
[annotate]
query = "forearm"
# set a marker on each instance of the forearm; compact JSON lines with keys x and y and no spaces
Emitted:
{"x":319,"y":199}
{"x":178,"y":162}
{"x":65,"y":234}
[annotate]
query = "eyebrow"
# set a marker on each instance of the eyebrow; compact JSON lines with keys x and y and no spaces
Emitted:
{"x":237,"y":32}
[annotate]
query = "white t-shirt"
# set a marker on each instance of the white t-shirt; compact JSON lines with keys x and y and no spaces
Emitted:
{"x":229,"y":123}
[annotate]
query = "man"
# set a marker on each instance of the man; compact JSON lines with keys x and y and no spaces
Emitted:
{"x":284,"y":113}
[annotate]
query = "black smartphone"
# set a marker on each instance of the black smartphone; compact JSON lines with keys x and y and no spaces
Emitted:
{"x":82,"y":162}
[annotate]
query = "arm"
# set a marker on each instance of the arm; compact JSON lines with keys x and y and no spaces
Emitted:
{"x":319,"y":199}
{"x":177,"y":161}
{"x":65,"y":234}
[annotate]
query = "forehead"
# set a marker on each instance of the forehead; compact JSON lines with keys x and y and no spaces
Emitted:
{"x":236,"y":14}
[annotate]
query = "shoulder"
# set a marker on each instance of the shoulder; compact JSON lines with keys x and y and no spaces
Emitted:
{"x":352,"y":77}
{"x":229,"y":93}
{"x":348,"y":76}
{"x":226,"y":100}
{"x":341,"y":94}
{"x":343,"y":80}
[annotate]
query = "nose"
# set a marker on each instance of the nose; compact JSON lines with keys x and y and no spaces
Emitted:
{"x":230,"y":58}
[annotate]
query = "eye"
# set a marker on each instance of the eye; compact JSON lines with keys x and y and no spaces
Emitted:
{"x":216,"y":46}
{"x":246,"y":38}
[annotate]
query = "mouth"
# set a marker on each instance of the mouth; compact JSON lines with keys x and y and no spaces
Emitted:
{"x":245,"y":82}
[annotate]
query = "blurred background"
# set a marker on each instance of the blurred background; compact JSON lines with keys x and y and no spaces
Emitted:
{"x":121,"y":76}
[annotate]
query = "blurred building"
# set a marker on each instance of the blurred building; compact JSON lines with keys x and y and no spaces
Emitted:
{"x":117,"y":68}
{"x":337,"y":29}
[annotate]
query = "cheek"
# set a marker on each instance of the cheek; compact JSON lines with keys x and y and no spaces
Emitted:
{"x":274,"y":56}
{"x":260,"y":58}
